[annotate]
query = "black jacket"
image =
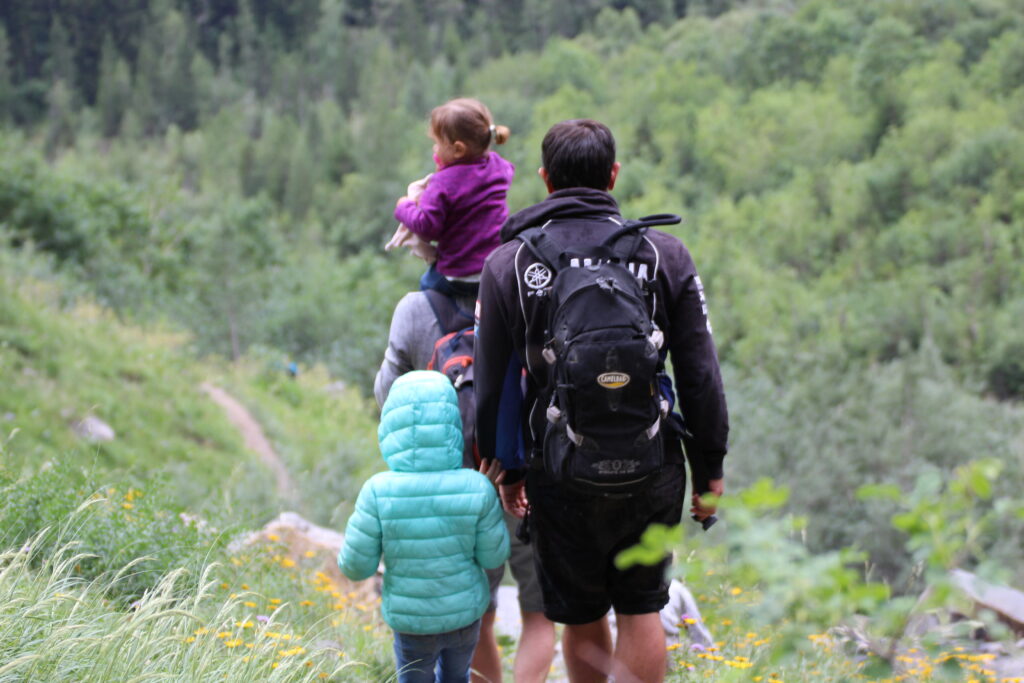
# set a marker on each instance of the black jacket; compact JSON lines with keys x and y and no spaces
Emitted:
{"x":511,"y":318}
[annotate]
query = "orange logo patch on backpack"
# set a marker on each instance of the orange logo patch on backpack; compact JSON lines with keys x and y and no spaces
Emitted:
{"x":613,"y":380}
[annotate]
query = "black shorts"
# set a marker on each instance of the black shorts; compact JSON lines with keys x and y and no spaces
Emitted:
{"x":576,"y":538}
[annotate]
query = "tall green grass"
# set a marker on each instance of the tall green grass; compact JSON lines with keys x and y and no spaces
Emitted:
{"x":57,"y":626}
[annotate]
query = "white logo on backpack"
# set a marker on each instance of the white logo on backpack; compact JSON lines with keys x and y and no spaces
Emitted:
{"x":537,"y":276}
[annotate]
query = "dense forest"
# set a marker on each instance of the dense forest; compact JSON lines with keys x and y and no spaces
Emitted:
{"x":850,"y":175}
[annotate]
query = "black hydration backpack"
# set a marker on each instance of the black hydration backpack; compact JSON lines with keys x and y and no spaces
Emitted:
{"x":453,"y":357}
{"x":605,"y":409}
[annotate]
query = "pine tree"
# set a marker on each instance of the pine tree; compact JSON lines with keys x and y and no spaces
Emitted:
{"x":6,"y":86}
{"x":301,"y":181}
{"x":60,"y":118}
{"x":179,"y":94}
{"x":115,"y":88}
{"x":60,"y":65}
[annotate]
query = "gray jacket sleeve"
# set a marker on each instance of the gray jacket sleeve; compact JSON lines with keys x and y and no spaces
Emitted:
{"x":411,"y":340}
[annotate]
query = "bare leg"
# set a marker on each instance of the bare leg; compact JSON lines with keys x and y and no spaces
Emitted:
{"x":587,"y":649}
{"x":536,"y":648}
{"x":486,"y":665}
{"x":639,"y":649}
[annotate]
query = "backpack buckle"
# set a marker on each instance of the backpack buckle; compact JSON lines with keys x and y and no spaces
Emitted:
{"x":549,"y":355}
{"x":653,"y":431}
{"x":573,"y":436}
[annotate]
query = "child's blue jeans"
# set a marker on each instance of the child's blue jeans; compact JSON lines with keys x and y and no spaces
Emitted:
{"x":441,"y":657}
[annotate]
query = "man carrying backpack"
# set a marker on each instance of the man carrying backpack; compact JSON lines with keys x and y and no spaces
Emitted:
{"x":590,"y":306}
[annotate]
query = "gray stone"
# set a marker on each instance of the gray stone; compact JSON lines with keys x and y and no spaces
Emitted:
{"x":1006,"y":603}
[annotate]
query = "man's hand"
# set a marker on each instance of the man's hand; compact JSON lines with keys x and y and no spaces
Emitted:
{"x":513,"y":498}
{"x":493,"y":471}
{"x":702,"y":508}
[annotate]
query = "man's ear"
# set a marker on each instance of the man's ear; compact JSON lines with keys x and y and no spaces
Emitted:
{"x":543,"y":173}
{"x":615,"y":174}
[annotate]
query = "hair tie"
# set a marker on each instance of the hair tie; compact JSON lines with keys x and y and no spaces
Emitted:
{"x":494,"y":131}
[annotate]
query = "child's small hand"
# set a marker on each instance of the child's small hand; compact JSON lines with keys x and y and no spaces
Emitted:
{"x":493,"y":471}
{"x":513,"y":498}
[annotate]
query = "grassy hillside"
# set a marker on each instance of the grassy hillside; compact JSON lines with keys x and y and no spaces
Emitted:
{"x":60,"y":363}
{"x":101,"y":577}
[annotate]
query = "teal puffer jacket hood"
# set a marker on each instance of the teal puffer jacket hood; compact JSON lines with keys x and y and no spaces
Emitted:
{"x":420,"y":426}
{"x":436,"y":524}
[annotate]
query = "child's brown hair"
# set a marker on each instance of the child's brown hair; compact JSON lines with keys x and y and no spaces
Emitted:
{"x":467,"y":121}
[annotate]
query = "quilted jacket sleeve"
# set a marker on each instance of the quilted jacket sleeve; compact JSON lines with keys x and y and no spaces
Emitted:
{"x":360,"y":555}
{"x":492,"y":544}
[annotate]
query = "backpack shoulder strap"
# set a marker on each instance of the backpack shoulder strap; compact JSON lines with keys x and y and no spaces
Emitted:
{"x":450,"y":317}
{"x":656,"y":219}
{"x":548,"y":252}
{"x":543,"y":248}
{"x":624,"y":249}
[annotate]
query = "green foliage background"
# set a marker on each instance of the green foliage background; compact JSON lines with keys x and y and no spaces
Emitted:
{"x":850,"y":175}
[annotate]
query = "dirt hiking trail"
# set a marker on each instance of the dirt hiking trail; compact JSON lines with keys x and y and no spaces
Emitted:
{"x":255,"y":440}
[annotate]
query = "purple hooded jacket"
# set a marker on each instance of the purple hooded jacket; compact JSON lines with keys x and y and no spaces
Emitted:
{"x":462,"y":209}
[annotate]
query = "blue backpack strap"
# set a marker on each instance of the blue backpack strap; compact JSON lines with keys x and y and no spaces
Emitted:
{"x":450,"y":316}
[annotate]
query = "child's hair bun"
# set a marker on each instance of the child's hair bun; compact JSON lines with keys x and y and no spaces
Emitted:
{"x":501,"y":134}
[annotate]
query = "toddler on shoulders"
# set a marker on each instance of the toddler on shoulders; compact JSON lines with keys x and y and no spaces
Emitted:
{"x":462,"y":205}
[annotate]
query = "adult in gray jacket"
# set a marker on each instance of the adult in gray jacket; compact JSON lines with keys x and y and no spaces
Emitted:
{"x":414,"y":331}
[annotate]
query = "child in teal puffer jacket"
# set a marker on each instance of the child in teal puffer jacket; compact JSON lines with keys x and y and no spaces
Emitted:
{"x":438,"y":526}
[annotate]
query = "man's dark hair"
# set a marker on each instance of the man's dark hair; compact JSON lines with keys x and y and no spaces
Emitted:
{"x":578,"y":153}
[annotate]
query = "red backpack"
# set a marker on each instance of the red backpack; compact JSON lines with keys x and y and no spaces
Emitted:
{"x":453,"y":357}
